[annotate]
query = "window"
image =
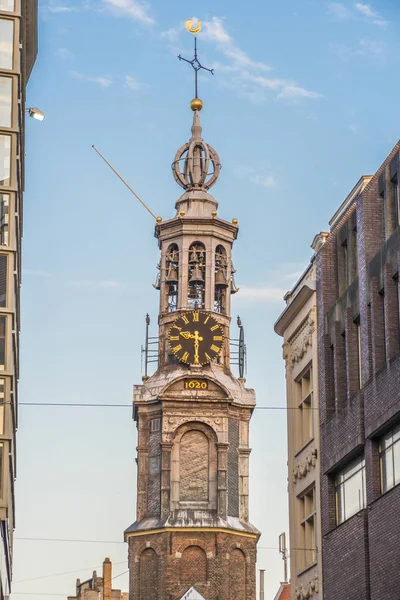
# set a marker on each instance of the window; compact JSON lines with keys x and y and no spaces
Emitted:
{"x":382,"y":300}
{"x":3,"y":280}
{"x":304,"y":395}
{"x":7,"y":5}
{"x":346,"y":264}
{"x":155,"y":425}
{"x":389,"y":455}
{"x":359,"y":354}
{"x":2,"y":401}
{"x":5,"y":101}
{"x":307,"y":525}
{"x":154,"y":465}
{"x":5,"y":158}
{"x":4,"y":209}
{"x":396,"y":191}
{"x":350,"y":490}
{"x":7,"y":41}
{"x":3,"y":323}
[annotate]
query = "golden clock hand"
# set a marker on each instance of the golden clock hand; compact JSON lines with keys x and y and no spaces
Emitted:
{"x":197,"y":340}
{"x":187,"y":335}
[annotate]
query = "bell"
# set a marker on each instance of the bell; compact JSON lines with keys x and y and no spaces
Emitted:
{"x":196,"y":276}
{"x":172,"y":276}
{"x":220,"y":280}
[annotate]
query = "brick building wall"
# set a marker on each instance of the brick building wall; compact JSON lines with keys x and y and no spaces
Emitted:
{"x":217,"y":564}
{"x":359,"y":377}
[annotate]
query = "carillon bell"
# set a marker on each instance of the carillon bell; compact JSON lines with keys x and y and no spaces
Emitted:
{"x":220,"y":280}
{"x":172,"y":276}
{"x":196,"y":276}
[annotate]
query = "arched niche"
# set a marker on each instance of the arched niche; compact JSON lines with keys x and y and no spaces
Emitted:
{"x":148,"y":573}
{"x":237,"y":575}
{"x":193,"y":566}
{"x":194,"y":467}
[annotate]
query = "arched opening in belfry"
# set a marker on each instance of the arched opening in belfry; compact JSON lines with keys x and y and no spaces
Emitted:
{"x":148,"y":573}
{"x":196,"y":276}
{"x":221,"y":279}
{"x":171,"y":278}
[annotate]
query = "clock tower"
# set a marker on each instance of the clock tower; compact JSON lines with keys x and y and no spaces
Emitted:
{"x":192,"y":527}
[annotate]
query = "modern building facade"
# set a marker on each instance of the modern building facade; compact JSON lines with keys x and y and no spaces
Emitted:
{"x":99,"y":588}
{"x":357,"y":278}
{"x":192,"y":528}
{"x":18,"y":49}
{"x":298,"y":327}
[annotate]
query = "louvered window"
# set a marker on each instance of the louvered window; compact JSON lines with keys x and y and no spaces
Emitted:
{"x":3,"y":323}
{"x":3,"y":280}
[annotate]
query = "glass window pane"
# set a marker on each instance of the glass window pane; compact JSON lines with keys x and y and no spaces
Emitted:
{"x":354,"y":490}
{"x":396,"y":462}
{"x":5,"y":159}
{"x":340,"y":504}
{"x":386,"y":440}
{"x":6,"y":43}
{"x":7,"y":5}
{"x":5,"y":101}
{"x":396,"y":433}
{"x":387,"y":470}
{"x":4,"y":219}
{"x":352,"y":468}
{"x":3,"y":322}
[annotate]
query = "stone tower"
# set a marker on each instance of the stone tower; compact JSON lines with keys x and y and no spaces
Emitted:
{"x":192,"y":525}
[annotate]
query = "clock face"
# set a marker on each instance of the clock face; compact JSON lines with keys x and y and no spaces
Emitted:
{"x":196,"y":338}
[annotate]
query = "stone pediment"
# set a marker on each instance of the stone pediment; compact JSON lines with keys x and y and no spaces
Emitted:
{"x":194,"y":388}
{"x":169,"y":384}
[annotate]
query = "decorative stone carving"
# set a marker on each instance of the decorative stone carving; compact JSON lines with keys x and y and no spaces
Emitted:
{"x":307,"y":590}
{"x":301,"y":339}
{"x":302,"y":469}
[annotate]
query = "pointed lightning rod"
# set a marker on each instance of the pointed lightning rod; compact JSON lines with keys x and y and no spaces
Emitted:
{"x":158,"y":219}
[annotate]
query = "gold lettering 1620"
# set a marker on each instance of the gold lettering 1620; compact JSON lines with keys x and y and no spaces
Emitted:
{"x":195,"y":384}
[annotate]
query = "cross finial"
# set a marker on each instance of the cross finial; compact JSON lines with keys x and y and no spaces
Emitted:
{"x":194,"y":26}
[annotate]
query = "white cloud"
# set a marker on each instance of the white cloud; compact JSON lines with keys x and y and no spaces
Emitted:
{"x":138,"y":11}
{"x":64,"y":53}
{"x":134,"y":84}
{"x":370,"y":49}
{"x":96,"y":284}
{"x":257,"y":176}
{"x":369,"y":13}
{"x":246,"y":75}
{"x":102,"y":81}
{"x":339,"y":11}
{"x":264,"y":294}
{"x":58,"y":9}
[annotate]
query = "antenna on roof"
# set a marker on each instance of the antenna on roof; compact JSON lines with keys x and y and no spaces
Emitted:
{"x":158,"y":219}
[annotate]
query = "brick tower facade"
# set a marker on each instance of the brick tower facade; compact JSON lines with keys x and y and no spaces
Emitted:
{"x":192,"y":525}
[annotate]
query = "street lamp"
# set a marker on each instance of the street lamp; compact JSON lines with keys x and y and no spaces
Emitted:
{"x":35,"y":113}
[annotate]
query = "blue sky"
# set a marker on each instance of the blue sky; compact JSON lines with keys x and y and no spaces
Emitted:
{"x":303,"y":102}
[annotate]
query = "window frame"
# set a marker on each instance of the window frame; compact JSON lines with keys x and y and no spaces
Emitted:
{"x":341,"y":486}
{"x":395,"y":430}
{"x":303,"y":400}
{"x":307,"y":555}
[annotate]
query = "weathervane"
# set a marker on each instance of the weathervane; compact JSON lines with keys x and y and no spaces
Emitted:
{"x":194,"y":26}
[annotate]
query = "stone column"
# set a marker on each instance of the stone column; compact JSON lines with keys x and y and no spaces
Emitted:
{"x":244,"y":483}
{"x":222,"y":479}
{"x":166,"y":448}
{"x":143,"y":465}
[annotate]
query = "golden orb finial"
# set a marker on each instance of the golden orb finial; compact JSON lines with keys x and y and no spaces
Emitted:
{"x":235,"y":221}
{"x":196,"y":104}
{"x":158,"y":219}
{"x":182,"y":213}
{"x":214,"y":213}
